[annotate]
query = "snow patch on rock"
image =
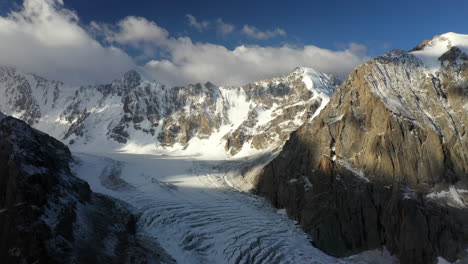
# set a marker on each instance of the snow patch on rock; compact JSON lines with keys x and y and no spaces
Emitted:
{"x":453,"y":196}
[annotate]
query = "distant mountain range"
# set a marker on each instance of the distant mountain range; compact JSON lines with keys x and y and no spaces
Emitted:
{"x":131,"y":113}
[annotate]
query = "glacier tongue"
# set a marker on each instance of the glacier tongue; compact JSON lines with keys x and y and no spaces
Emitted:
{"x":187,"y":207}
{"x":193,"y":219}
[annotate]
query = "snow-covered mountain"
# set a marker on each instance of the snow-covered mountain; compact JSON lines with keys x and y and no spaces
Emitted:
{"x":380,"y":163}
{"x":430,"y":52}
{"x":135,"y":115}
{"x":386,"y":162}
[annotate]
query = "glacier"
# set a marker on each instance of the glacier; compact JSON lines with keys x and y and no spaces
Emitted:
{"x":186,"y":206}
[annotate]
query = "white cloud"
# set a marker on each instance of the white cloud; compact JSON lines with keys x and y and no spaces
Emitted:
{"x":255,"y":33}
{"x":137,"y":32}
{"x":220,"y":26}
{"x":200,"y":62}
{"x":224,"y":28}
{"x":45,"y":38}
{"x":131,"y":30}
{"x":198,"y":25}
{"x":138,"y":29}
{"x":187,"y":62}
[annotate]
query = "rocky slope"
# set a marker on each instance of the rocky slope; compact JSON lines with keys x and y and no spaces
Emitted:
{"x":47,"y":215}
{"x":132,"y":114}
{"x":385,"y":164}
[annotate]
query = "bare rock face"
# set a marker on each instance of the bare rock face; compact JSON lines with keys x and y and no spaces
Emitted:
{"x":384,"y":164}
{"x":49,"y":216}
{"x":196,"y":114}
{"x":18,"y":94}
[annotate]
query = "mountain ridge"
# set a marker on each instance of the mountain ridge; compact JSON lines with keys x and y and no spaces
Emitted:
{"x":145,"y":115}
{"x":384,"y":163}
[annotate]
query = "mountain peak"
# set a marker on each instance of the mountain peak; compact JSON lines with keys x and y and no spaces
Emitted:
{"x":210,"y":85}
{"x":315,"y":80}
{"x":446,"y":41}
{"x":429,"y":51}
{"x":131,"y":79}
{"x":303,"y":69}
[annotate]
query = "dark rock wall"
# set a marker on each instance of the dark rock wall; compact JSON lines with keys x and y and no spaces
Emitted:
{"x":49,"y":216}
{"x":357,"y":177}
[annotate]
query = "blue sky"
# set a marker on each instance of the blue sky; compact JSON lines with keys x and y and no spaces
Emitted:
{"x":377,"y":24}
{"x":229,"y":42}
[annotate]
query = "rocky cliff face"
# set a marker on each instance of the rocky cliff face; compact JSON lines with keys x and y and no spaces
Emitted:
{"x":132,"y":113}
{"x":386,"y":162}
{"x":49,"y":216}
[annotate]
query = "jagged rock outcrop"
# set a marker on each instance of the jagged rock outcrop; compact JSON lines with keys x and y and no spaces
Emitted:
{"x":19,"y":94}
{"x":386,"y":162}
{"x":134,"y":112}
{"x":47,"y":215}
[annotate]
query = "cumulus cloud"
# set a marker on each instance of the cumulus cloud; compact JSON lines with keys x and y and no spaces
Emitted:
{"x":198,"y":25}
{"x":224,"y":28}
{"x":45,"y":38}
{"x":200,"y":62}
{"x":187,"y":62}
{"x":255,"y":33}
{"x":137,"y":32}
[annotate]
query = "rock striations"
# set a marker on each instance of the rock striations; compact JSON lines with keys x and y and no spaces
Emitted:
{"x":385,"y":164}
{"x":47,"y":215}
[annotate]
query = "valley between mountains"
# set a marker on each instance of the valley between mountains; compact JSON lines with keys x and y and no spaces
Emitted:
{"x":301,"y":168}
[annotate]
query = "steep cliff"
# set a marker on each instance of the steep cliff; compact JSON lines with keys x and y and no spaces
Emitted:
{"x":48,"y":215}
{"x":386,"y":162}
